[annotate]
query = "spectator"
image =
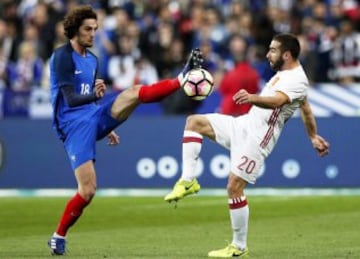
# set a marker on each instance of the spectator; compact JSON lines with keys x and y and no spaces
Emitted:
{"x":121,"y":22}
{"x":177,"y":103}
{"x":327,"y":30}
{"x":345,"y":55}
{"x":28,"y":69}
{"x":212,"y":29}
{"x":9,"y":12}
{"x":146,"y":73}
{"x":31,"y":35}
{"x":317,"y":42}
{"x":258,"y":60}
{"x":103,"y":47}
{"x":350,"y":9}
{"x":44,"y":19}
{"x":122,"y":69}
{"x":307,"y":58}
{"x":159,"y":47}
{"x":3,"y":70}
{"x":246,"y":25}
{"x":5,"y":41}
{"x":192,"y":22}
{"x":280,"y":18}
{"x":60,"y":38}
{"x":212,"y":62}
{"x":242,"y":76}
{"x":9,"y":39}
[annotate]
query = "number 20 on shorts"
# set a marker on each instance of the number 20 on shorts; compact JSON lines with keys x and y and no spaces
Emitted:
{"x":247,"y":165}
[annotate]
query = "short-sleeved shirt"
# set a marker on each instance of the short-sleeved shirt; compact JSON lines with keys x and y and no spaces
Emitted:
{"x":251,"y":137}
{"x":265,"y":125}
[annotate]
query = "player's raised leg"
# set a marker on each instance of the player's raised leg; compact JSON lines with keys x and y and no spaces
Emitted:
{"x":194,"y":61}
{"x":159,"y":90}
{"x":128,"y":100}
{"x":182,"y":189}
{"x":196,"y":127}
{"x":187,"y":184}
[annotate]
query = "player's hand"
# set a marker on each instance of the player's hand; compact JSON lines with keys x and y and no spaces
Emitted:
{"x":241,"y":97}
{"x":321,"y":145}
{"x":113,"y":138}
{"x":100,"y":88}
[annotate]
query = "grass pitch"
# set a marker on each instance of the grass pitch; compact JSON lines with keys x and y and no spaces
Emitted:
{"x":147,"y":227}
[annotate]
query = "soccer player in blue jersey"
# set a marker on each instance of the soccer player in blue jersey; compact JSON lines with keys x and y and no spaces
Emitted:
{"x":79,"y":120}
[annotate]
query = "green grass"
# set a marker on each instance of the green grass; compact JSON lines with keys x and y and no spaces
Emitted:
{"x":140,"y":227}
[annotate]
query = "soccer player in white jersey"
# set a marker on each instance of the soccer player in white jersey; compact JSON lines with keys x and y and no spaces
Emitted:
{"x":250,"y":138}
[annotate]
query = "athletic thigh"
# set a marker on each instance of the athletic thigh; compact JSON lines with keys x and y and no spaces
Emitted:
{"x":125,"y":103}
{"x":222,"y":126}
{"x":80,"y":141}
{"x":246,"y":157}
{"x":105,"y":122}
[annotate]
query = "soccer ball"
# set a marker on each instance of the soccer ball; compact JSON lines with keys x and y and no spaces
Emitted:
{"x":198,"y":84}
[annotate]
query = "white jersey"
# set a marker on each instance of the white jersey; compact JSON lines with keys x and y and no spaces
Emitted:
{"x":251,"y":137}
{"x":265,"y":125}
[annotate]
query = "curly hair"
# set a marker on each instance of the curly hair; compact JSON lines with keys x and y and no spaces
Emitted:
{"x":74,"y":19}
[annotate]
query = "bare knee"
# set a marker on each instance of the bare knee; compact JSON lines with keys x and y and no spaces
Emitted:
{"x":125,"y":102}
{"x":235,"y":186}
{"x":196,"y":123}
{"x":87,"y":192}
{"x":192,"y":122}
{"x":199,"y":124}
{"x":86,"y":179}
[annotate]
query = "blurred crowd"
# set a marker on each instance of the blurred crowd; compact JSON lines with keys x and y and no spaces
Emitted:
{"x":143,"y":41}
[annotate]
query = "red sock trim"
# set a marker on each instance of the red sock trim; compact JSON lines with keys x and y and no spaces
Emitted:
{"x":192,"y":139}
{"x":236,"y":203}
{"x":72,"y":212}
{"x":156,"y":92}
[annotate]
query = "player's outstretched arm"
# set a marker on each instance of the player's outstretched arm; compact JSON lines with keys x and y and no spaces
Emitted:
{"x":318,"y":142}
{"x":266,"y":102}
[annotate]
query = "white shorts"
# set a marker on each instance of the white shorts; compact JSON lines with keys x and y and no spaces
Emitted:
{"x":246,"y":155}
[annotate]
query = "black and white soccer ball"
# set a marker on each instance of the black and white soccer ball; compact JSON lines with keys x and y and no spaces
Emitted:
{"x":198,"y":84}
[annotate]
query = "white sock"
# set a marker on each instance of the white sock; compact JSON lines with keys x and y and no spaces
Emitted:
{"x":239,"y":215}
{"x":191,"y":147}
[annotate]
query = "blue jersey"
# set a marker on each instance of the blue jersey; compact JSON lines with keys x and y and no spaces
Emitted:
{"x":79,"y":127}
{"x":67,"y":67}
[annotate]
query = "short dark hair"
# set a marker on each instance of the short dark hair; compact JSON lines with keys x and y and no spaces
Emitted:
{"x":288,"y":42}
{"x":74,"y":19}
